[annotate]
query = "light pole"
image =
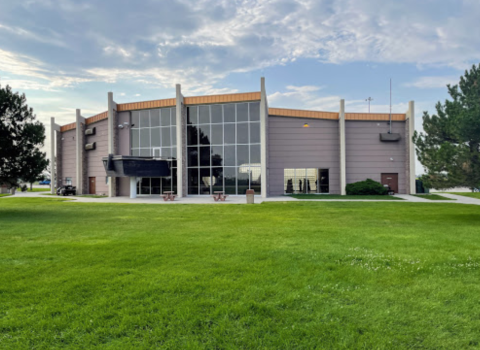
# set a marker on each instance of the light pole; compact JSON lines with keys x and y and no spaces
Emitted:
{"x":369,"y":100}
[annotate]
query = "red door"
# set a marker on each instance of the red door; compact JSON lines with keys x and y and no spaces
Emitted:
{"x":91,"y":185}
{"x":390,"y":181}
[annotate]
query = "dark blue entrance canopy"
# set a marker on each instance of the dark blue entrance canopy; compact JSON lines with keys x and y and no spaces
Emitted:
{"x":129,"y":166}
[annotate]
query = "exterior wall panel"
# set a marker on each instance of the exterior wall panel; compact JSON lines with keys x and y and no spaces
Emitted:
{"x":69,"y":157}
{"x":368,"y":157}
{"x":94,"y":163}
{"x":293,"y":146}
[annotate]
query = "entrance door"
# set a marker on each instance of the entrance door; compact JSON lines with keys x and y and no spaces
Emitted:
{"x":91,"y":185}
{"x":390,"y":180}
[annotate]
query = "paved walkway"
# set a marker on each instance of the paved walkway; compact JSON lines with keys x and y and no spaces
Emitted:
{"x":242,"y":200}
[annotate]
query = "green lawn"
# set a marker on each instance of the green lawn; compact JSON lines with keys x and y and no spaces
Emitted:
{"x":5,"y":194}
{"x":433,"y":197}
{"x":91,"y":196}
{"x":467,"y":194}
{"x":337,"y":196}
{"x":285,"y":275}
{"x":46,"y":189}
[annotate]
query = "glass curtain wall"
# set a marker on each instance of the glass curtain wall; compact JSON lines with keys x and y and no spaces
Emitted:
{"x":306,"y":181}
{"x":154,"y":134}
{"x":223,"y":148}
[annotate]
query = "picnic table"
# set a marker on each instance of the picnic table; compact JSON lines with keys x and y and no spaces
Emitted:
{"x":168,"y":195}
{"x":219,"y":195}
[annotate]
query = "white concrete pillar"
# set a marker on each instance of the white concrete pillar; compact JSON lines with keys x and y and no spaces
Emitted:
{"x":411,"y":146}
{"x":343,"y":153}
{"x":52,"y":155}
{"x":181,"y":157}
{"x":133,"y":187}
{"x":264,"y":138}
{"x":111,"y":140}
{"x":80,"y":149}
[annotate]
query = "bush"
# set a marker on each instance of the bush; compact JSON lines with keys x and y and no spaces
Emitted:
{"x":367,"y":187}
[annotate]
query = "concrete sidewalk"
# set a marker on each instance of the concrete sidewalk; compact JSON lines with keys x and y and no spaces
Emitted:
{"x":241,"y":199}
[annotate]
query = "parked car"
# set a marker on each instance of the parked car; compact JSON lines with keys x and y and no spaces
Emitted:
{"x":66,"y":190}
{"x":44,"y":182}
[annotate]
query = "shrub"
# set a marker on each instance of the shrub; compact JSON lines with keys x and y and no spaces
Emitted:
{"x":367,"y":187}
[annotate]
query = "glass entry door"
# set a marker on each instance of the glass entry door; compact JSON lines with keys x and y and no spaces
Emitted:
{"x":157,"y":152}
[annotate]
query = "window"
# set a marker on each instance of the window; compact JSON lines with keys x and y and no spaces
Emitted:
{"x":223,"y":148}
{"x":306,"y":181}
{"x":68,"y":181}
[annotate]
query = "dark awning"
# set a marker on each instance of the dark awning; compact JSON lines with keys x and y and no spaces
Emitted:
{"x":126,"y":166}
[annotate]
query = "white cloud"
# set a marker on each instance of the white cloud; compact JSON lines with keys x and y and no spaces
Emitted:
{"x":433,"y":82}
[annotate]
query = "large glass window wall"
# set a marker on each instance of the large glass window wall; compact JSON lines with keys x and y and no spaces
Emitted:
{"x":306,"y":181}
{"x":154,"y":134}
{"x":223,"y":148}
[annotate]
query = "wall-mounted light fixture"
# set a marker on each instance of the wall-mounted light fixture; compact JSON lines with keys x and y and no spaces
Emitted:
{"x":306,"y":125}
{"x":391,"y":159}
{"x":126,"y":125}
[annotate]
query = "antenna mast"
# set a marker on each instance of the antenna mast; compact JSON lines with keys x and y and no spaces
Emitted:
{"x":369,"y":100}
{"x":390,"y":129}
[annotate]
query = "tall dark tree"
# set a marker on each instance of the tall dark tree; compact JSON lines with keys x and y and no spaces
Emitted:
{"x":37,"y":165}
{"x":21,"y":136}
{"x":449,"y":149}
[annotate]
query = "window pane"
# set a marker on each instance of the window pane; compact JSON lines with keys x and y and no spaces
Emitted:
{"x":242,"y":112}
{"x":192,"y":181}
{"x":174,"y":154}
{"x":289,"y":178}
{"x":217,"y":155}
{"x":155,"y":183}
{"x":135,"y":152}
{"x":174,"y":180}
{"x":135,"y":138}
{"x":255,"y":154}
{"x":155,"y":137}
{"x":255,"y":179}
{"x":166,"y":137}
{"x":144,"y":119}
{"x":217,"y":134}
{"x":166,"y":153}
{"x":173,"y":116}
{"x":324,"y":181}
{"x":145,"y":186}
{"x":166,"y":183}
{"x":254,"y":111}
{"x":155,"y":117}
{"x":242,"y":133}
{"x":204,"y":134}
{"x":205,"y":156}
{"x":229,"y":113}
{"x":136,"y":119}
{"x":145,"y":152}
{"x":229,"y":130}
{"x":243,"y":180}
{"x":217,"y":179}
{"x":254,"y":132}
{"x":192,"y":135}
{"x":174,"y":135}
{"x":205,"y":181}
{"x":165,"y":116}
{"x":230,"y":175}
{"x":217,"y":114}
{"x":192,"y":115}
{"x":192,"y":156}
{"x":144,"y":138}
{"x":204,"y":115}
{"x":229,"y":157}
{"x":242,"y":155}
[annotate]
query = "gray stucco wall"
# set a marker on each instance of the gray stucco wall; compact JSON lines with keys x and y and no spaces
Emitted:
{"x":290,"y":145}
{"x":68,"y":162}
{"x":367,"y":157}
{"x":94,"y":162}
{"x":123,"y":134}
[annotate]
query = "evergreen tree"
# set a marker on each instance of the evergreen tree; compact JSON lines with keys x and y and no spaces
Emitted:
{"x":450,"y":147}
{"x":21,"y":137}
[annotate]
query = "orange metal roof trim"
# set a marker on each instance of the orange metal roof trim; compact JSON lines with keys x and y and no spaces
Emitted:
{"x":169,"y":102}
{"x":375,"y":116}
{"x":96,"y":118}
{"x":67,"y":127}
{"x":283,"y":112}
{"x":240,"y":97}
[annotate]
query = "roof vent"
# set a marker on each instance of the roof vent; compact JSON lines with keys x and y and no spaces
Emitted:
{"x":90,"y":146}
{"x":90,"y":132}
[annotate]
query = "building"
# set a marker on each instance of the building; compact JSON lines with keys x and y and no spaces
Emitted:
{"x":232,"y":143}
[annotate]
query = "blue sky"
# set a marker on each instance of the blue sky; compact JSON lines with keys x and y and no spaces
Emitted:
{"x":68,"y":54}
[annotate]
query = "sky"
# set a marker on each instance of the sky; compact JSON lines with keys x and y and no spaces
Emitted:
{"x":66,"y":54}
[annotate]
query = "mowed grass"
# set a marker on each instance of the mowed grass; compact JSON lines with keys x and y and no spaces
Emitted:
{"x":349,"y":197}
{"x":5,"y":194}
{"x":291,"y":275}
{"x":467,"y":194}
{"x":433,"y":197}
